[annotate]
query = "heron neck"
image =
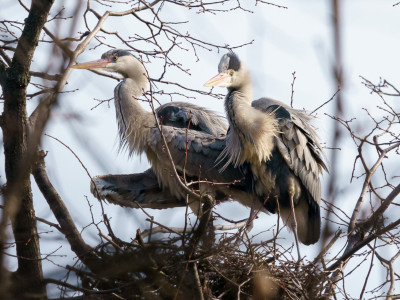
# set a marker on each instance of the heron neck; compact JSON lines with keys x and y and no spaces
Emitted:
{"x":238,"y":108}
{"x":127,"y":97}
{"x":133,"y":120}
{"x":137,"y":78}
{"x":252,"y":130}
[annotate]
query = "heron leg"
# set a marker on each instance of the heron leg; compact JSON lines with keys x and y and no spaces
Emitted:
{"x":252,"y":216}
{"x":294,"y":227}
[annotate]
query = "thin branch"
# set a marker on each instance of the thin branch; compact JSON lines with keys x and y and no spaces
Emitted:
{"x":367,"y":179}
{"x":51,"y":224}
{"x":379,"y":212}
{"x":60,"y":211}
{"x":292,"y":85}
{"x":354,"y":247}
{"x":326,"y":102}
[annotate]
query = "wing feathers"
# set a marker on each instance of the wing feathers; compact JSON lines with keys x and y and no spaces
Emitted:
{"x":202,"y":152}
{"x":298,"y":144}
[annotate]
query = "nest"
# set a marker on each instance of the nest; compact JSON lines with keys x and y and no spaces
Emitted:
{"x":200,"y":265}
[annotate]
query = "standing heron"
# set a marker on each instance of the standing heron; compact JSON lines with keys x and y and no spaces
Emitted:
{"x":194,"y":151}
{"x":280,"y":148}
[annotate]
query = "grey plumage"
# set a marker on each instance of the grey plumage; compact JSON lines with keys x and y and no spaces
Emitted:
{"x":272,"y":146}
{"x":138,"y":133}
{"x":133,"y":190}
{"x":277,"y":148}
{"x":298,"y":143}
{"x":178,"y":114}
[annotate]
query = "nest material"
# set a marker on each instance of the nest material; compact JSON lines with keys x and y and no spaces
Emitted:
{"x":227,"y":266}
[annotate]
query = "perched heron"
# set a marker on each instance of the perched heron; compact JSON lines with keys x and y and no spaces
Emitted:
{"x":204,"y":140}
{"x":279,"y":147}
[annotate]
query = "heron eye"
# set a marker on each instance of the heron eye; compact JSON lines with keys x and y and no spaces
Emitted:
{"x":115,"y":58}
{"x":231,"y":72}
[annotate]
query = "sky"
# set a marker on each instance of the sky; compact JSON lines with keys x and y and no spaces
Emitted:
{"x":297,"y":39}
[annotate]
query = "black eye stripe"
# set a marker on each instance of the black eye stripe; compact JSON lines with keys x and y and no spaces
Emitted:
{"x":234,"y":62}
{"x":112,"y":54}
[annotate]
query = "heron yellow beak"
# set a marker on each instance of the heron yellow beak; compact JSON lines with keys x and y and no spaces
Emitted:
{"x":223,"y":79}
{"x":96,"y":64}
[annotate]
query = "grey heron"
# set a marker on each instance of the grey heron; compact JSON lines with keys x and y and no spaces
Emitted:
{"x":204,"y":140}
{"x":280,"y":148}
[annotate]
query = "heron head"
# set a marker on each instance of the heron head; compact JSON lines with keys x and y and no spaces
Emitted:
{"x":230,"y":72}
{"x":116,"y":60}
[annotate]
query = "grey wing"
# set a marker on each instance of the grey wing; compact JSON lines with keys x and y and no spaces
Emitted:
{"x":143,"y":190}
{"x":202,"y":151}
{"x":134,"y":190}
{"x":179,"y":114}
{"x":298,"y":143}
{"x":302,"y":120}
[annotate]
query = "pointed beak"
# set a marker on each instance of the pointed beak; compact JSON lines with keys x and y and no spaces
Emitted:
{"x":96,"y":64}
{"x":222,"y":79}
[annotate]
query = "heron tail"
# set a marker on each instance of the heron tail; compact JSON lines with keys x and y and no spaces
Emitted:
{"x":133,"y":190}
{"x":313,"y":229}
{"x":308,"y":221}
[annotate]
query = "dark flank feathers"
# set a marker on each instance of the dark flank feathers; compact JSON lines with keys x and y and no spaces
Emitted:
{"x":297,"y":153}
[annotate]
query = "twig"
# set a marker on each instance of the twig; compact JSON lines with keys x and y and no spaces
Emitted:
{"x":367,"y":179}
{"x":179,"y":230}
{"x":111,"y":241}
{"x":354,"y":247}
{"x":292,"y":85}
{"x":42,"y":220}
{"x":60,"y":211}
{"x":326,"y":102}
{"x":328,"y":246}
{"x":77,"y":157}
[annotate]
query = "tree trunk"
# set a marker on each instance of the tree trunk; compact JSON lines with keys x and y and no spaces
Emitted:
{"x":28,"y":280}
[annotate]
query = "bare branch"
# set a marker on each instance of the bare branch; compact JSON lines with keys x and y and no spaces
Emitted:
{"x":82,"y":250}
